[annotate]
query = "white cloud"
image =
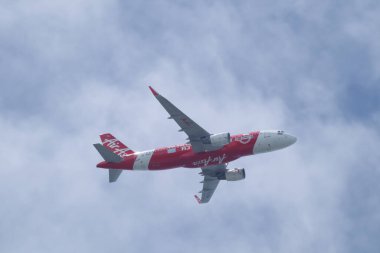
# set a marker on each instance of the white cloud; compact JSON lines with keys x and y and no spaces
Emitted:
{"x":244,"y":67}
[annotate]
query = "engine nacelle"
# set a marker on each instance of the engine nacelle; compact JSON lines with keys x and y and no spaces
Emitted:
{"x":233,"y":175}
{"x":218,"y":141}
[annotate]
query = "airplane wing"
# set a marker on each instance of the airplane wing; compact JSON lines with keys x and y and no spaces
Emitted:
{"x":210,"y":182}
{"x":197,"y":136}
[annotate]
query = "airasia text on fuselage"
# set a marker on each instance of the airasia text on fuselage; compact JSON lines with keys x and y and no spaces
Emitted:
{"x":210,"y":160}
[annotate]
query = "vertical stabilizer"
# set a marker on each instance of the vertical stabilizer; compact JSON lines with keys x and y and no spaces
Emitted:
{"x":116,"y":146}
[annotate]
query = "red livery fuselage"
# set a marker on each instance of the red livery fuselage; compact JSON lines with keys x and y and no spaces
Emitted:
{"x":183,"y":155}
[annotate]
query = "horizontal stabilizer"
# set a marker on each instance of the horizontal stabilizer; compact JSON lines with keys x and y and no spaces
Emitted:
{"x":107,"y":155}
{"x":113,"y":174}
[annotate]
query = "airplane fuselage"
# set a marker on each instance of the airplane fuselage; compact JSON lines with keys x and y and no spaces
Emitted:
{"x":183,"y":155}
{"x":210,"y":152}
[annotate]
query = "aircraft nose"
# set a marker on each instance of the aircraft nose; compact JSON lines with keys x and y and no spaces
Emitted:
{"x":291,"y":139}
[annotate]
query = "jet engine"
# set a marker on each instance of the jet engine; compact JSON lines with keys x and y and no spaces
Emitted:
{"x":233,"y":175}
{"x":218,"y":141}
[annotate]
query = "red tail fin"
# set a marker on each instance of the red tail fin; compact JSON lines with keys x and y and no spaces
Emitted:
{"x":116,"y":146}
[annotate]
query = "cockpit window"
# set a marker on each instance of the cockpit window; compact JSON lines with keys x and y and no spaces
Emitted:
{"x":280,"y":132}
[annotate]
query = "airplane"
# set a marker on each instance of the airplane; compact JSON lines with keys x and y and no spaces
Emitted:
{"x":210,"y":152}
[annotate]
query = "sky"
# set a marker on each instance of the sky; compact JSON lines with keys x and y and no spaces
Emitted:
{"x":71,"y":70}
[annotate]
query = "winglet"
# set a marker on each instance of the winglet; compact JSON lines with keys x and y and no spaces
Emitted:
{"x":198,"y":199}
{"x":153,"y":91}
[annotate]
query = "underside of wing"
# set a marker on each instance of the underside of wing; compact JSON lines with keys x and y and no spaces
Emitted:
{"x":210,"y":182}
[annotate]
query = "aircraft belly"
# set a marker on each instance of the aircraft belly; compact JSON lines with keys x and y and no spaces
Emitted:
{"x":182,"y":156}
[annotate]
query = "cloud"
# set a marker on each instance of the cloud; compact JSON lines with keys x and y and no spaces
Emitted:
{"x":70,"y":71}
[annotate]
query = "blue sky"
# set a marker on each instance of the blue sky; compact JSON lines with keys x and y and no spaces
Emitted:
{"x":70,"y":71}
